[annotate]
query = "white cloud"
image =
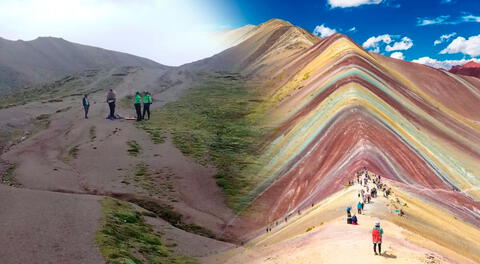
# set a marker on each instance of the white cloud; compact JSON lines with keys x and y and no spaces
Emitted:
{"x":471,"y":18}
{"x":470,"y":46}
{"x":373,"y":43}
{"x":353,"y":29}
{"x":352,"y":3}
{"x":432,"y":21}
{"x":444,"y":38}
{"x":448,"y":20}
{"x":170,"y":32}
{"x":404,"y":44}
{"x":397,"y":55}
{"x":445,"y":64}
{"x":376,"y":44}
{"x":323,"y":31}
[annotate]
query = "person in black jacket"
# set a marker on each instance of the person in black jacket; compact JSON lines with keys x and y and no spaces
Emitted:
{"x":86,"y":105}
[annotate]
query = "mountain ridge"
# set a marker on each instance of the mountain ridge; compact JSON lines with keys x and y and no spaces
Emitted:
{"x":44,"y":59}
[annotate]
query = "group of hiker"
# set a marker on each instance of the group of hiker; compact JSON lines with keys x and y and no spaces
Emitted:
{"x":352,"y":220}
{"x":139,"y":99}
{"x":146,"y":99}
{"x":366,"y":194}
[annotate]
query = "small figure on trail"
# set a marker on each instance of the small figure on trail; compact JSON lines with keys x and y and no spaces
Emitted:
{"x":111,"y":98}
{"x":137,"y":103}
{"x":349,"y":219}
{"x":348,"y":209}
{"x":368,"y":197}
{"x":354,"y":220}
{"x":359,"y":207}
{"x":86,"y":105}
{"x":377,"y":234}
{"x":147,"y":101}
{"x":387,"y":192}
{"x":373,"y":192}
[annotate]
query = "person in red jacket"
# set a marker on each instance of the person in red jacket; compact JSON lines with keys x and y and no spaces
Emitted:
{"x":377,"y":234}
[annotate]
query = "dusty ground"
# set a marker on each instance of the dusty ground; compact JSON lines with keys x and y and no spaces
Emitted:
{"x":65,"y":169}
{"x":331,"y":240}
{"x":48,"y":227}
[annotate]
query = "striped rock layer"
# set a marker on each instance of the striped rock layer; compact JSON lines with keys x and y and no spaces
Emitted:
{"x":342,"y":109}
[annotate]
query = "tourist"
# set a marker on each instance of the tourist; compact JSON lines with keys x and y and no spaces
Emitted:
{"x":359,"y":207}
{"x":377,"y":234}
{"x":354,"y":220}
{"x":86,"y":105}
{"x":111,"y":98}
{"x":147,"y":101}
{"x":137,"y":103}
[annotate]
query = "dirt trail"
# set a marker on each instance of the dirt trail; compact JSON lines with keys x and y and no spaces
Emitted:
{"x":331,"y":240}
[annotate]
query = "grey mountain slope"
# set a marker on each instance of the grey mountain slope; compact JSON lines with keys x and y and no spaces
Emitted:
{"x":45,"y":59}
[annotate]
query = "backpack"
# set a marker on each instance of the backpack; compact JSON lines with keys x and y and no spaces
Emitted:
{"x":376,"y":237}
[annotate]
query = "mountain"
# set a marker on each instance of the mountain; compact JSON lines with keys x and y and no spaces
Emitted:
{"x":45,"y":59}
{"x":470,"y":68}
{"x":340,"y":108}
{"x":257,"y":146}
{"x":271,"y":43}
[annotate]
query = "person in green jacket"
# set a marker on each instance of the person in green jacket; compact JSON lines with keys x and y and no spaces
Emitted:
{"x":138,"y":105}
{"x":147,"y":101}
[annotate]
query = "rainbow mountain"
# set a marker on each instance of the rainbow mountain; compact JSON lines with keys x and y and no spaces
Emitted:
{"x":336,"y":108}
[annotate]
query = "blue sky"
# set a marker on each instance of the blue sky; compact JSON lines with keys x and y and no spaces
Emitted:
{"x":422,"y":22}
{"x":174,"y":32}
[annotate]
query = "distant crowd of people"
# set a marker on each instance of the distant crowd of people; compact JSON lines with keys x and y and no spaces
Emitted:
{"x":366,"y":194}
{"x":139,"y":99}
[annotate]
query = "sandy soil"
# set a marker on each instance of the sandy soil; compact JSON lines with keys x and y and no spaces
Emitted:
{"x":331,"y":240}
{"x":48,"y":227}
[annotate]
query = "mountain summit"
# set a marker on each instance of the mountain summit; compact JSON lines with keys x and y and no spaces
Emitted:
{"x":470,"y":68}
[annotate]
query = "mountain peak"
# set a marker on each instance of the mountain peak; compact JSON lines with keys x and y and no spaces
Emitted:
{"x":471,"y":64}
{"x":470,"y":68}
{"x":276,"y":21}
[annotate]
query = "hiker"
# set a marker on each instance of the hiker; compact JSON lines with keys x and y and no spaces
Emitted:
{"x":137,"y":103}
{"x":368,"y":197}
{"x":349,"y":219}
{"x":111,"y":98}
{"x":354,"y":220}
{"x":147,"y":101}
{"x":86,"y":105}
{"x":359,"y":207}
{"x":377,"y":234}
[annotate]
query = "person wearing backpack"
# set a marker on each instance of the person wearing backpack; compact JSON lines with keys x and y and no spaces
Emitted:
{"x":377,"y":234}
{"x":147,"y":101}
{"x":137,"y":103}
{"x":359,"y":207}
